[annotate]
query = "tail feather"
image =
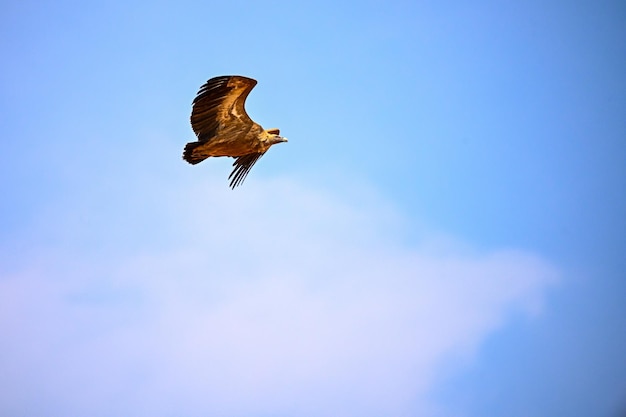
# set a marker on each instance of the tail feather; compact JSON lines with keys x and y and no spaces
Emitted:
{"x":190,"y":156}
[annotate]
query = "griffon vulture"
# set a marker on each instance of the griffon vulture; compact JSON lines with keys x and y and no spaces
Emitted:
{"x":223,"y":128}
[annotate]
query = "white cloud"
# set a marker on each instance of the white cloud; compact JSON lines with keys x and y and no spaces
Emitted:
{"x":271,"y":300}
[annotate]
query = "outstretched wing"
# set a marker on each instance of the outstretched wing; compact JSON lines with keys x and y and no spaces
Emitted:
{"x":242,"y":165}
{"x":220,"y":102}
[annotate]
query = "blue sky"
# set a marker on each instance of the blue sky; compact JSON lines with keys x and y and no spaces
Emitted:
{"x":443,"y":235}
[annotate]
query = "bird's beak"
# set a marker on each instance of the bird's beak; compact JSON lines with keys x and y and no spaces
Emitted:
{"x":280,"y":139}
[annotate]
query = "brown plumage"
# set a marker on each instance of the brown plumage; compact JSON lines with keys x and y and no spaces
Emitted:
{"x":223,"y":128}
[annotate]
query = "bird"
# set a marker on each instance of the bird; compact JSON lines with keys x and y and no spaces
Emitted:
{"x":223,"y":128}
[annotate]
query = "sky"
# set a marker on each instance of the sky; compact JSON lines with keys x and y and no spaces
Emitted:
{"x":444,"y":234}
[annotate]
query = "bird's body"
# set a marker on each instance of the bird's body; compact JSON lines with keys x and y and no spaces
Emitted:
{"x":223,"y":128}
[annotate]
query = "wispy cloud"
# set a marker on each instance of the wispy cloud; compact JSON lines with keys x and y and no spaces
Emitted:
{"x":280,"y":300}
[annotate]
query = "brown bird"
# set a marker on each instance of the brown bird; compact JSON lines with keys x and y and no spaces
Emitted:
{"x":223,"y":128}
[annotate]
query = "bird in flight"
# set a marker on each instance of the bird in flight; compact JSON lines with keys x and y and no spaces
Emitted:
{"x":223,"y":128}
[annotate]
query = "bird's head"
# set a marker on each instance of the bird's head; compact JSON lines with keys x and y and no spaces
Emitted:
{"x":273,"y":136}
